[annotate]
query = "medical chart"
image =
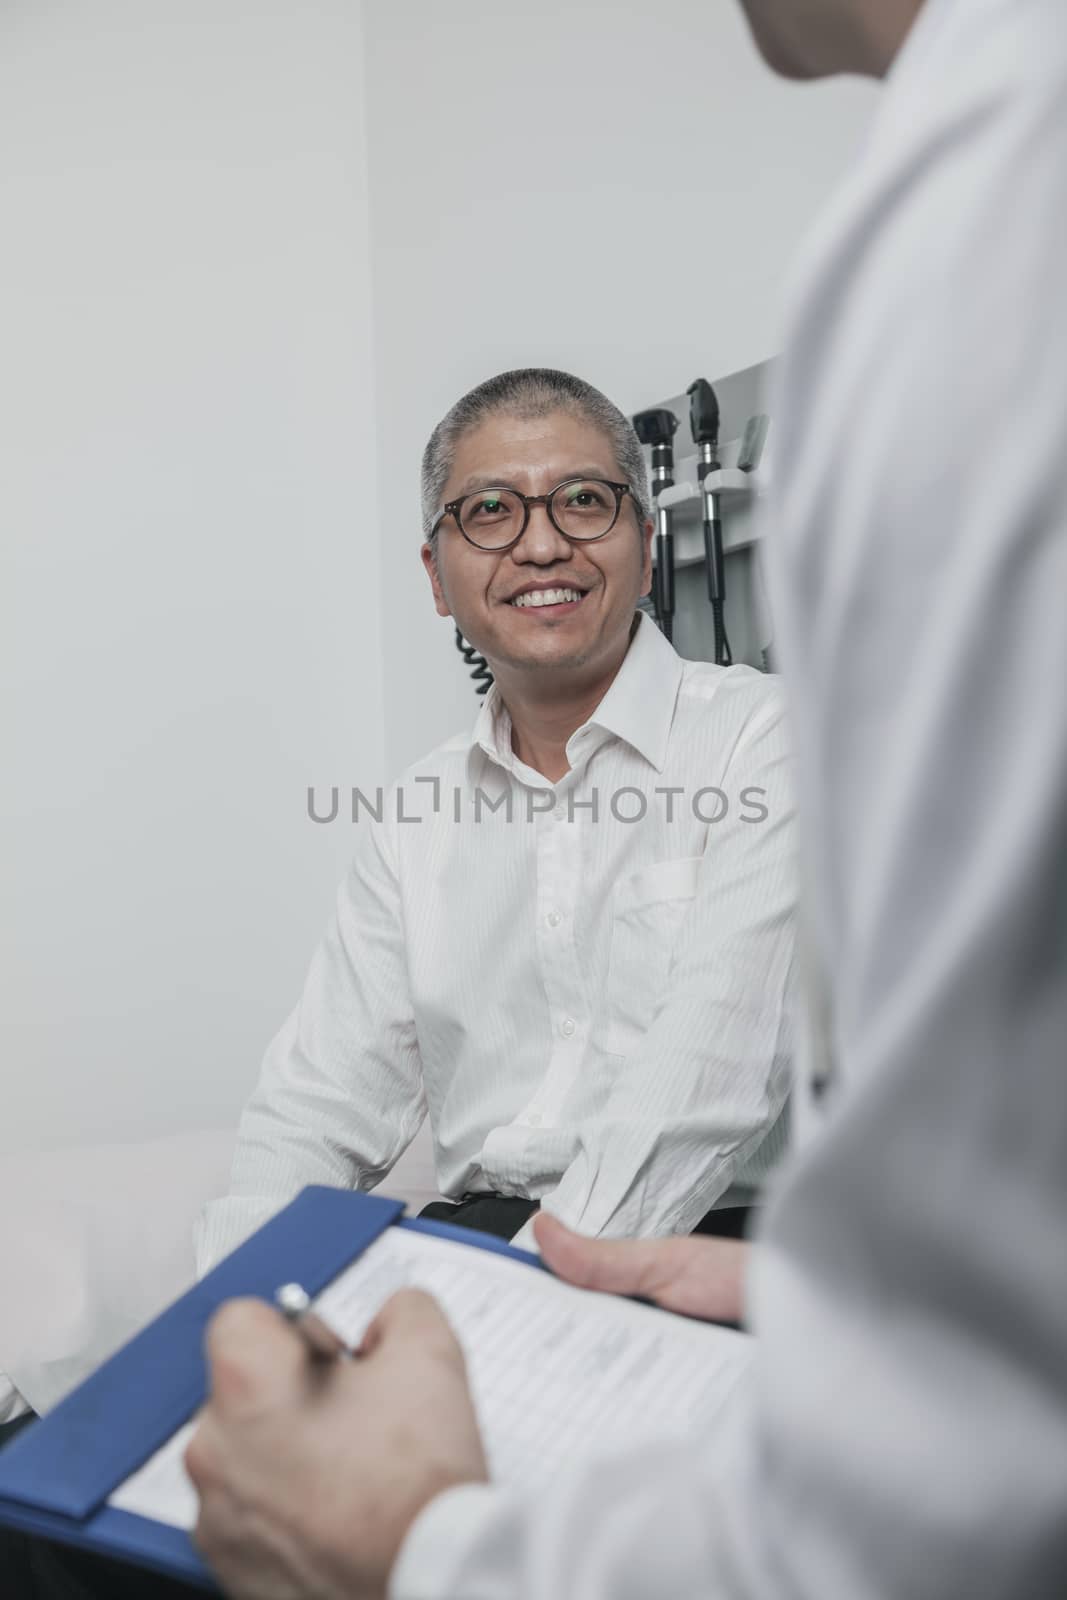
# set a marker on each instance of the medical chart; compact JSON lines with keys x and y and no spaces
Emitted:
{"x":556,"y":1373}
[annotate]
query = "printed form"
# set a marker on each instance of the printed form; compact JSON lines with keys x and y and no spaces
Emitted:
{"x":556,"y":1373}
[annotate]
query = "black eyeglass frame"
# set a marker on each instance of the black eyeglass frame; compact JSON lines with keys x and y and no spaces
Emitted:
{"x":528,"y":500}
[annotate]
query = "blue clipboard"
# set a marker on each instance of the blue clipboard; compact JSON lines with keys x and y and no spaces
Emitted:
{"x":55,"y":1478}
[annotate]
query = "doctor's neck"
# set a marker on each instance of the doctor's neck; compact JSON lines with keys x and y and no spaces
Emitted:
{"x":819,"y":38}
{"x":885,"y":26}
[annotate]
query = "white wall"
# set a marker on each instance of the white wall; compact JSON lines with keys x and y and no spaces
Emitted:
{"x":189,"y":620}
{"x":521,"y":157}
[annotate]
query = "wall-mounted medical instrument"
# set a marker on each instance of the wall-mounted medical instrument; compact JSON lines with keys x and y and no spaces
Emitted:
{"x":721,"y":493}
{"x":748,"y":459}
{"x":657,"y":428}
{"x":752,"y":442}
{"x":704,"y":426}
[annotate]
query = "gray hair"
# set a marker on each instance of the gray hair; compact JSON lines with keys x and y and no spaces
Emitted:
{"x":532,"y":392}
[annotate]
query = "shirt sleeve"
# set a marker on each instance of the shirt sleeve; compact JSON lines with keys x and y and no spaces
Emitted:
{"x":340,"y":1094}
{"x":708,"y":1082}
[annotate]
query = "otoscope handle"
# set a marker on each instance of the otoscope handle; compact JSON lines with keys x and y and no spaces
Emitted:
{"x":665,"y":570}
{"x":665,"y":582}
{"x":713,"y":551}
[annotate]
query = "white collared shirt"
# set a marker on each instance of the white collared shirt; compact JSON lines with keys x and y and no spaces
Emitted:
{"x":590,"y":996}
{"x":905,"y":1432}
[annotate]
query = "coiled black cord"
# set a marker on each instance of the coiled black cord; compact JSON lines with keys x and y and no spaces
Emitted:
{"x":479,"y":667}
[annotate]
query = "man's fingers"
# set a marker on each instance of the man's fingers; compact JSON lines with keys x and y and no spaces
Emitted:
{"x":255,"y":1360}
{"x":618,"y":1266}
{"x":412,"y":1314}
{"x":699,"y":1277}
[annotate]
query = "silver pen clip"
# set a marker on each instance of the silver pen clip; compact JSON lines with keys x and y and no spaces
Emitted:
{"x":294,"y":1302}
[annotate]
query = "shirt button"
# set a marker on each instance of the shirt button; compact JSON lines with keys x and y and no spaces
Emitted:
{"x":568,"y":1027}
{"x":553,"y":919}
{"x":559,"y":813}
{"x":534,"y":1119}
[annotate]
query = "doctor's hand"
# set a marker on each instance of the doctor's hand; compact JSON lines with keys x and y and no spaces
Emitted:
{"x":701,"y":1277}
{"x":311,"y":1472}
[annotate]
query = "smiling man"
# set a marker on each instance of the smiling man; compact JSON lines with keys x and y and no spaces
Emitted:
{"x":569,"y":937}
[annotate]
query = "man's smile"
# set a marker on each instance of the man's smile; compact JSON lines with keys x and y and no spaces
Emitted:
{"x":547,"y":599}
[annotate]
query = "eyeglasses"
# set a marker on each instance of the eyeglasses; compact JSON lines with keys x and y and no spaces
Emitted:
{"x":581,"y":509}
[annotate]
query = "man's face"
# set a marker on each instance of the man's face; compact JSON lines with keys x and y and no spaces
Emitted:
{"x":479,"y":587}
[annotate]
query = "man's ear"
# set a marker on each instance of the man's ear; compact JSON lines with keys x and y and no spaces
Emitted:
{"x":646,"y":556}
{"x":429,"y":561}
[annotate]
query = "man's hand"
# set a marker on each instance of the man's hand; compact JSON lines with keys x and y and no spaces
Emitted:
{"x":310,"y":1473}
{"x":699,"y":1277}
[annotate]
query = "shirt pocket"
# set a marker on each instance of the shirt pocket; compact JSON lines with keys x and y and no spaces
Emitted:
{"x":648,"y":909}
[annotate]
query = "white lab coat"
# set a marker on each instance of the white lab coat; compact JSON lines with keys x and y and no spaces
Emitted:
{"x":905,"y":1435}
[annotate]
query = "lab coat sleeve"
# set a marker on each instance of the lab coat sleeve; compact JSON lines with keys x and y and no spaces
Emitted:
{"x":629,"y":1527}
{"x":339,"y":1095}
{"x":707,"y":1083}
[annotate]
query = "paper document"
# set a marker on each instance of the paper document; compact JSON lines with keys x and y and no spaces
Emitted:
{"x":556,"y":1373}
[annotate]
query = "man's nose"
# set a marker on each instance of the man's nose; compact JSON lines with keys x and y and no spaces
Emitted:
{"x":541,"y":541}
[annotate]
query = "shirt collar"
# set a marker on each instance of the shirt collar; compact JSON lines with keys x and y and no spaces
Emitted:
{"x":492,"y":729}
{"x":638,"y":707}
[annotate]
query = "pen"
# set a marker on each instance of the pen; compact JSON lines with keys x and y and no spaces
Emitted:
{"x":294,"y":1302}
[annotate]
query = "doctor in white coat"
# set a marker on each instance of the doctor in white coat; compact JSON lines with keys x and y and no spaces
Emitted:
{"x":905,"y":1432}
